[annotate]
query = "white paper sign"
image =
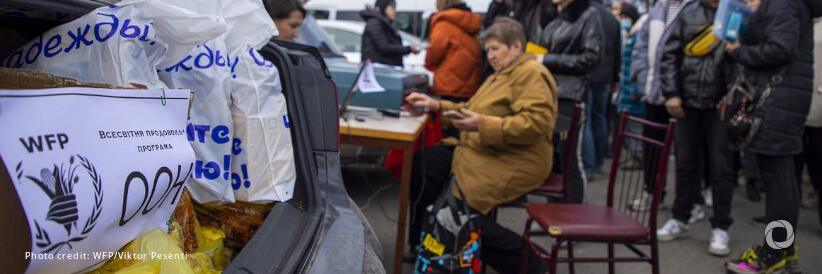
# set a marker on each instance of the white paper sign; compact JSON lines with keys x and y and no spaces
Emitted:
{"x":94,"y":168}
{"x":367,"y":83}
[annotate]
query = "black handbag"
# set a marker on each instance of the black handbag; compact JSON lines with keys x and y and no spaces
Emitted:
{"x":445,"y":251}
{"x":741,"y":109}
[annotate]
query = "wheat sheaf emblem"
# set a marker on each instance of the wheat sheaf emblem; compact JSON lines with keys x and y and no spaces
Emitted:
{"x":58,"y":184}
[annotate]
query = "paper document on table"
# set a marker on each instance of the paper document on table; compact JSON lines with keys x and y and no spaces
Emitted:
{"x":367,"y":82}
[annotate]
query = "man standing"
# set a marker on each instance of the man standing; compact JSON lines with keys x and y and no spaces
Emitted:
{"x":603,"y":80}
{"x":693,"y":81}
{"x":645,"y":71}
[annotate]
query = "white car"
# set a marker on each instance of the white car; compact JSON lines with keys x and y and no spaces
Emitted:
{"x":347,"y":35}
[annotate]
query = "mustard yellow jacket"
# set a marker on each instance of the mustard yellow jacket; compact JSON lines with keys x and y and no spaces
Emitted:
{"x":511,"y":153}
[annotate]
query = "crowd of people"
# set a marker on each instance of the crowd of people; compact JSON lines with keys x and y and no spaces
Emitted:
{"x":654,"y":67}
{"x":502,"y":105}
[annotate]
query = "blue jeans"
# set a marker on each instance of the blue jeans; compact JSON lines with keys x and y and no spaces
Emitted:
{"x":595,"y":138}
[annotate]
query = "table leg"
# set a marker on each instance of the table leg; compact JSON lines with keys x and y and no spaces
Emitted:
{"x":405,"y":183}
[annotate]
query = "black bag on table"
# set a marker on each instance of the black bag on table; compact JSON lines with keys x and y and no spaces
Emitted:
{"x":445,"y":251}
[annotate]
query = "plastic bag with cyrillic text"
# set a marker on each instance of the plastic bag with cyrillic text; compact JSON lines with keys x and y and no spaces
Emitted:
{"x":118,"y":44}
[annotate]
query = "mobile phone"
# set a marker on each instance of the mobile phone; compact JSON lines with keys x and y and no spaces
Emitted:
{"x":453,"y":115}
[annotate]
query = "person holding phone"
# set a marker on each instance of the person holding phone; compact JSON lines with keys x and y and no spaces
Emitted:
{"x":504,"y":150}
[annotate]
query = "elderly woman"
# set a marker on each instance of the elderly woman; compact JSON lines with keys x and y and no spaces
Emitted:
{"x":505,"y":148}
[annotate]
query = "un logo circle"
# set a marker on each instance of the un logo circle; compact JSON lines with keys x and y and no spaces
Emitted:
{"x":769,"y":234}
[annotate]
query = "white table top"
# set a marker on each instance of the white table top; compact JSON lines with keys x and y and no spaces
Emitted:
{"x":405,"y":128}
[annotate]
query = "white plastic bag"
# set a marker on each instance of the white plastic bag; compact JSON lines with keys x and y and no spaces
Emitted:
{"x":263,"y":171}
{"x":118,"y":44}
{"x":261,"y":155}
{"x":207,"y":70}
{"x":260,"y":114}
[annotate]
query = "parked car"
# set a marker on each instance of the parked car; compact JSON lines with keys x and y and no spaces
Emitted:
{"x":347,"y":35}
{"x":320,"y":230}
{"x":396,"y":81}
{"x":412,"y":16}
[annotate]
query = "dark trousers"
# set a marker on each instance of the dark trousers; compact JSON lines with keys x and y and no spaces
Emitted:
{"x":812,"y":157}
{"x":656,"y":114}
{"x":697,"y":126}
{"x":595,"y":140}
{"x":430,"y":174}
{"x":501,"y":247}
{"x":782,"y":199}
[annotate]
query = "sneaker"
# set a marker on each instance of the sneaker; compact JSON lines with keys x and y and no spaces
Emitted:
{"x":792,"y":261}
{"x":589,"y":175}
{"x":643,"y":203}
{"x":697,"y":214}
{"x":719,"y":243}
{"x":755,"y":260}
{"x":708,"y":195}
{"x":759,"y":221}
{"x":671,"y":230}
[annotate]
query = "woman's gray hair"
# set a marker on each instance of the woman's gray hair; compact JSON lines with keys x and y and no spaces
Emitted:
{"x":507,"y":31}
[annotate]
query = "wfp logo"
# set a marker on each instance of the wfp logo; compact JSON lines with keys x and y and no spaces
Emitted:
{"x":769,"y":234}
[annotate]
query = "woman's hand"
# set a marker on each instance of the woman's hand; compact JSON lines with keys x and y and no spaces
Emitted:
{"x":422,"y":100}
{"x":469,"y":123}
{"x":415,"y":49}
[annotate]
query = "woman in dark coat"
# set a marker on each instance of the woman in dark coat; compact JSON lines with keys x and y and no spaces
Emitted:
{"x":779,"y":44}
{"x":381,"y":42}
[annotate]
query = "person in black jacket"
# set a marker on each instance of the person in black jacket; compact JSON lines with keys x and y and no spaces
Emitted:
{"x":693,"y":81}
{"x":603,"y":80}
{"x":574,"y":46}
{"x":778,"y":46}
{"x":381,"y":42}
{"x":532,"y":14}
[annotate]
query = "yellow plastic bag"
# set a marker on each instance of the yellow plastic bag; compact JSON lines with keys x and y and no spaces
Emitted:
{"x":151,"y":267}
{"x":201,"y":263}
{"x":210,"y":242}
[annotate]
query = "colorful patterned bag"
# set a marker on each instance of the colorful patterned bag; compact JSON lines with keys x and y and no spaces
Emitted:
{"x":449,"y":245}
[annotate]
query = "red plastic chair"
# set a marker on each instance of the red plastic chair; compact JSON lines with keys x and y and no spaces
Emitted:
{"x":614,"y":223}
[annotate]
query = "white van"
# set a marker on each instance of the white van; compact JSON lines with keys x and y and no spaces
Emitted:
{"x":412,"y":15}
